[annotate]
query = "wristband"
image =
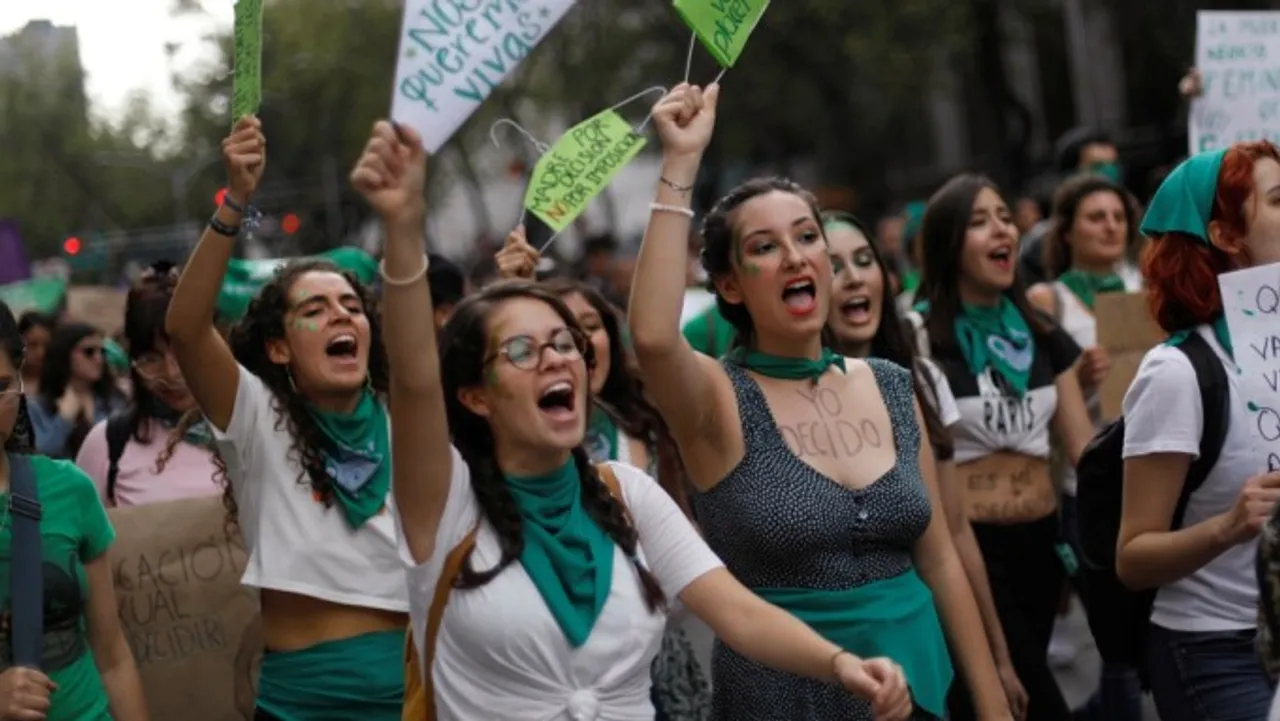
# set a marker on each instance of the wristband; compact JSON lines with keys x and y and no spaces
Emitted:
{"x":228,"y":201}
{"x":222,"y":228}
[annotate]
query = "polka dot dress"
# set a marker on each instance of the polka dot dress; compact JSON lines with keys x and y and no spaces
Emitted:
{"x":776,"y":522}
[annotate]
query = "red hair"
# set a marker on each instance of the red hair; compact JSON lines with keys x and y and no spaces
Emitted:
{"x":1182,"y":271}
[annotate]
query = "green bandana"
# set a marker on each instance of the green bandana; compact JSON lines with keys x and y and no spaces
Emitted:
{"x":1110,"y":171}
{"x":997,"y":337}
{"x":1184,"y":200}
{"x":913,"y":214}
{"x":1088,"y":285}
{"x":357,"y":454}
{"x":567,"y":556}
{"x":601,"y":441}
{"x":792,"y":369}
{"x":1220,"y":331}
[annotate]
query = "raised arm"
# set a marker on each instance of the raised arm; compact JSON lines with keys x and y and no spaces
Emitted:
{"x":391,"y":175}
{"x":517,"y":259}
{"x":688,"y":388}
{"x":207,"y":364}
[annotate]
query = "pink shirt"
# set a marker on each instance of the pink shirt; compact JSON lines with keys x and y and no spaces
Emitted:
{"x":189,"y":472}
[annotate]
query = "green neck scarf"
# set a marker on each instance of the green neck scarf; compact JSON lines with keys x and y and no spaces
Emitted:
{"x":568,"y":557}
{"x":792,"y":369}
{"x":997,"y":337}
{"x":1220,"y":332}
{"x":1088,"y":285}
{"x":357,"y":453}
{"x":601,"y":441}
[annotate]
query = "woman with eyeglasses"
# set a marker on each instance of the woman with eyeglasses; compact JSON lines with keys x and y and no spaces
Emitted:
{"x":162,"y":447}
{"x":76,"y":390}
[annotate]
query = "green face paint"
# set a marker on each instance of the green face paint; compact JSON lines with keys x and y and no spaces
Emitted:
{"x":491,"y":376}
{"x":304,"y":324}
{"x":751,"y":268}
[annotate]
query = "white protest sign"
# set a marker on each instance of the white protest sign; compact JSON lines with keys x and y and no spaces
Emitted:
{"x":454,"y":53}
{"x":1251,"y":302}
{"x":1238,"y":56}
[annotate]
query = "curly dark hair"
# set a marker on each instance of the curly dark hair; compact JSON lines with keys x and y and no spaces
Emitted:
{"x":463,"y":350}
{"x":622,"y":395}
{"x":892,"y":342}
{"x":263,"y":322}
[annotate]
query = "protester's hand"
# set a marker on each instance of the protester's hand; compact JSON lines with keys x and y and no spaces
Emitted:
{"x":244,"y":153}
{"x":878,"y":680}
{"x":1192,"y":85}
{"x":517,"y":259}
{"x":24,"y":694}
{"x":392,"y":173}
{"x":1013,"y":691}
{"x":685,"y":119}
{"x":1253,"y":507}
{"x":1095,"y":364}
{"x":69,"y":405}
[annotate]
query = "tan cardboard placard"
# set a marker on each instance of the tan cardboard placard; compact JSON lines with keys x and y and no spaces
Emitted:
{"x":1127,"y":331}
{"x":100,"y":306}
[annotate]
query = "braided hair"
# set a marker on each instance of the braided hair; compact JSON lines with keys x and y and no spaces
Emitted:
{"x":263,"y":322}
{"x":463,"y":350}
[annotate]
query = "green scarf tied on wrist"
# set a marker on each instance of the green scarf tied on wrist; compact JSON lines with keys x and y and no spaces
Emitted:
{"x":997,"y":337}
{"x":357,"y":455}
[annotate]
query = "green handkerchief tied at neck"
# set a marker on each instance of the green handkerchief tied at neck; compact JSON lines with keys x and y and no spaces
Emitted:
{"x":997,"y":337}
{"x":782,"y":367}
{"x":357,"y":453}
{"x":1086,"y":286}
{"x":567,"y":555}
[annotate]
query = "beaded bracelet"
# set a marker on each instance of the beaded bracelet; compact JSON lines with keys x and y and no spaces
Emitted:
{"x":222,"y":228}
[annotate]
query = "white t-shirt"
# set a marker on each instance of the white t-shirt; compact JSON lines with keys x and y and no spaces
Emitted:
{"x":296,"y":544}
{"x":500,"y":655}
{"x":1163,"y":414}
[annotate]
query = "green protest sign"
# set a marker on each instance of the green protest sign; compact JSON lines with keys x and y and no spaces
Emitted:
{"x":246,"y":93}
{"x":579,"y":166}
{"x":245,"y":278}
{"x":722,"y":26}
{"x":41,"y":294}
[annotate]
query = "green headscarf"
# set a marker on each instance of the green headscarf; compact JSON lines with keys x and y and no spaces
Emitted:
{"x":1184,"y":200}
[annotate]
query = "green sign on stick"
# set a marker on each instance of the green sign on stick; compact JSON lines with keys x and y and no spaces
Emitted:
{"x":39,"y":294}
{"x":246,"y":92}
{"x":723,"y":26}
{"x":245,"y":278}
{"x":579,"y":166}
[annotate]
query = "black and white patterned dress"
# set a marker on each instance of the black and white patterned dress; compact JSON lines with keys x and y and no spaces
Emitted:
{"x":776,"y":522}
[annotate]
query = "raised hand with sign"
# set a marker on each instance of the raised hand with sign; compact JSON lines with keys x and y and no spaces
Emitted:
{"x":517,"y":259}
{"x":392,"y":173}
{"x":244,"y":153}
{"x":686,"y":119}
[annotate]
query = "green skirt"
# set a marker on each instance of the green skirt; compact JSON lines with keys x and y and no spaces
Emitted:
{"x":894,"y":618}
{"x":355,"y":678}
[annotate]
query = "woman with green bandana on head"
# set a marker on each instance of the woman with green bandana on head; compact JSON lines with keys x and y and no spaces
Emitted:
{"x":1216,"y":212}
{"x":1012,"y":372}
{"x":625,"y":427}
{"x":295,"y":399}
{"x":865,"y":323}
{"x":815,"y":487}
{"x":556,"y":571}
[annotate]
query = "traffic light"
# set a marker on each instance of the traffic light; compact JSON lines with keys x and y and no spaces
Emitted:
{"x":219,"y":197}
{"x":71,"y":246}
{"x":290,"y":223}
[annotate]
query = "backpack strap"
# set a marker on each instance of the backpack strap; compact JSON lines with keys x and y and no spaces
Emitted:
{"x":419,"y":690}
{"x":26,"y":569}
{"x":1211,"y":377}
{"x":117,"y":438}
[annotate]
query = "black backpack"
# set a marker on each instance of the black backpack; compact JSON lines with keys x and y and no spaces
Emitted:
{"x":118,"y":425}
{"x":1118,"y":616}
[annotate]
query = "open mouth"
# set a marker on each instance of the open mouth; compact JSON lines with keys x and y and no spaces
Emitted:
{"x":1002,"y":257}
{"x":856,"y":310}
{"x":800,"y":296}
{"x":342,"y":347}
{"x":557,"y":401}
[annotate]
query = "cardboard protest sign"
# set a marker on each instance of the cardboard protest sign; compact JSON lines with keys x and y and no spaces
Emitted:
{"x":98,"y":305}
{"x":42,"y":294}
{"x":579,"y":166}
{"x":1236,"y":54}
{"x":1251,"y":304}
{"x":454,"y":54}
{"x":722,"y":26}
{"x":246,"y":89}
{"x":1127,"y":331}
{"x":194,"y":630}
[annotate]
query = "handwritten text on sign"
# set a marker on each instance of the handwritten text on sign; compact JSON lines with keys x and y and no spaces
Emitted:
{"x":723,"y":26}
{"x":1238,"y":55}
{"x":1251,"y":300}
{"x":454,"y":53}
{"x":579,"y":166}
